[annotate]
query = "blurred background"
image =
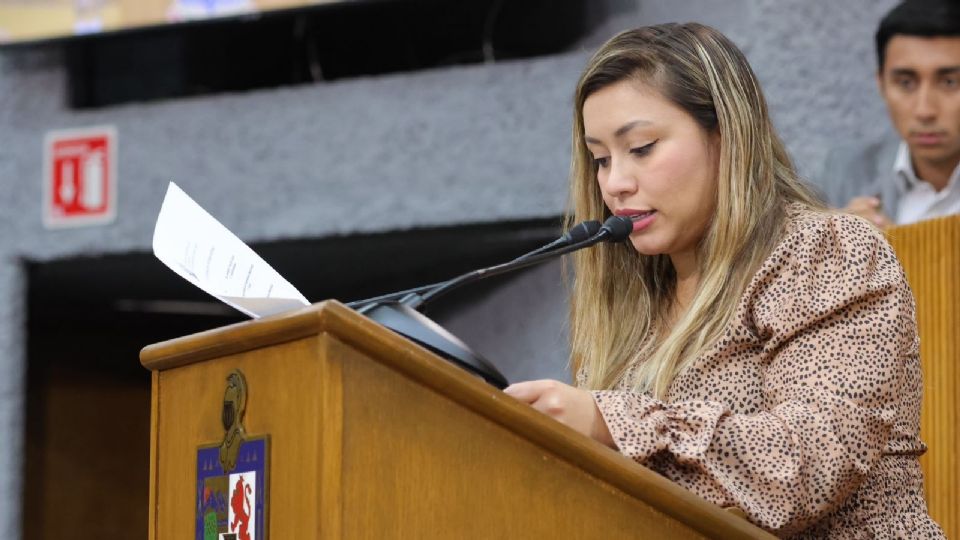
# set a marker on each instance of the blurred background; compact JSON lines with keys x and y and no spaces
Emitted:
{"x":359,"y":146}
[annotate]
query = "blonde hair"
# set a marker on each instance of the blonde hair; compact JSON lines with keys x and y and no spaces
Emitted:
{"x":620,"y":298}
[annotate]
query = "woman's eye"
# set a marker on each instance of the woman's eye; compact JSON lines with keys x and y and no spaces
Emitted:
{"x":643,"y":150}
{"x":601,"y":162}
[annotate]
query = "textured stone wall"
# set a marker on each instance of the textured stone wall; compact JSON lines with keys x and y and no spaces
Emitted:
{"x":444,"y":147}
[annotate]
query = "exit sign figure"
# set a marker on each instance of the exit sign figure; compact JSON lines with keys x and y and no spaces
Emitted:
{"x":80,"y":180}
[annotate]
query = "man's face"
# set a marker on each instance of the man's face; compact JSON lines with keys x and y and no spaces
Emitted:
{"x":920,"y":82}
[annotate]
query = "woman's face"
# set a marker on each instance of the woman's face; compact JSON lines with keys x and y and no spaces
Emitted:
{"x":655,"y":164}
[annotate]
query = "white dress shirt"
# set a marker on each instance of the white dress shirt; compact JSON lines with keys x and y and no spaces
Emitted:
{"x":919,"y":201}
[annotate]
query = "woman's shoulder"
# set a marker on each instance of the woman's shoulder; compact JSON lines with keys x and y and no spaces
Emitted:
{"x":826,"y":262}
{"x":825,"y":254}
{"x":804,"y":219}
{"x":823,"y":234}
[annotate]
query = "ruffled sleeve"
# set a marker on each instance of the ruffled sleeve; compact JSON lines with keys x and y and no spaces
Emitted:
{"x":833,"y":319}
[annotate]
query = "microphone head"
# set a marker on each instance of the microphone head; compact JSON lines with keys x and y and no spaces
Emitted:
{"x":617,"y":227}
{"x":581,"y":231}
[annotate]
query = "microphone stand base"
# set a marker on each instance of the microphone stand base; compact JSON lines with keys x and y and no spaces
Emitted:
{"x":417,"y":327}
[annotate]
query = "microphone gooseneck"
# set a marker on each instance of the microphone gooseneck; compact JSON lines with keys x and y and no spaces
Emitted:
{"x":614,"y":229}
{"x":578,"y":233}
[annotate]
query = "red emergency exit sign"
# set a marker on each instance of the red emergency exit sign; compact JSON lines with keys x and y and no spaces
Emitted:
{"x":80,"y":180}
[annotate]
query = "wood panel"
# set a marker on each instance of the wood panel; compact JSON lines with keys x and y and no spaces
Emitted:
{"x":154,"y":453}
{"x":930,"y":254}
{"x":412,"y":471}
{"x":86,"y":460}
{"x":286,"y":398}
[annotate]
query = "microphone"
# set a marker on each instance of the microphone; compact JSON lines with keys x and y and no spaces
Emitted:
{"x":578,"y":233}
{"x":614,"y":229}
{"x":403,"y":318}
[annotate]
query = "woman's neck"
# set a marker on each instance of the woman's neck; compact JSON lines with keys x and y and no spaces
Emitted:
{"x":688,"y":280}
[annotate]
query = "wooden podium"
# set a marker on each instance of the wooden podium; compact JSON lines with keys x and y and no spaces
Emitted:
{"x":930,"y":254}
{"x":372,"y":436}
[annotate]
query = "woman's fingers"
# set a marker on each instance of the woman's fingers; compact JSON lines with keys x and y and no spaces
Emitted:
{"x":547,"y":396}
{"x":529,"y":391}
{"x":571,"y":406}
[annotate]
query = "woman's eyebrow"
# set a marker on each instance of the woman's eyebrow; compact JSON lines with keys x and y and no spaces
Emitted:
{"x":621,"y":131}
{"x":624,"y":129}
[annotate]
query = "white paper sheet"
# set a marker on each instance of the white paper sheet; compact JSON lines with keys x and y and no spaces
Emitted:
{"x":196,"y":246}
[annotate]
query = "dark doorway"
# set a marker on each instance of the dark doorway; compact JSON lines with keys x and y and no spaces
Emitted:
{"x":88,"y":398}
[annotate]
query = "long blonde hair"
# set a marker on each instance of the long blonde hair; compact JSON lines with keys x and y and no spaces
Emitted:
{"x":621,"y":298}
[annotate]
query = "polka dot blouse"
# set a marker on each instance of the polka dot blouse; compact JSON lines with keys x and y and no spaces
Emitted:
{"x":805,"y":414}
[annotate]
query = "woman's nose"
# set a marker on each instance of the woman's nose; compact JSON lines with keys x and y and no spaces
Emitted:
{"x":621,"y":179}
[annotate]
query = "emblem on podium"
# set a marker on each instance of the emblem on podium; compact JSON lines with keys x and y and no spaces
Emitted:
{"x":232,"y":475}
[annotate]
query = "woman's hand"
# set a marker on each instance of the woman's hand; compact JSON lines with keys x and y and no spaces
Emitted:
{"x":571,"y":406}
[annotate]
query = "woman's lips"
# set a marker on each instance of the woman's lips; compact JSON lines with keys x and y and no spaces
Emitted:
{"x":642,"y":221}
{"x":641,"y":218}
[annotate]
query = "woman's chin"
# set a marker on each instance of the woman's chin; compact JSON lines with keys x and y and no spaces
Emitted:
{"x":645,"y":247}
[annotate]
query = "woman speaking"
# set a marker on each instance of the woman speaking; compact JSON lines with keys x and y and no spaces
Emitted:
{"x":745,"y":343}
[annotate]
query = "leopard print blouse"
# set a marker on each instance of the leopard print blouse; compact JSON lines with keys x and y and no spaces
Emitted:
{"x":806,"y":413}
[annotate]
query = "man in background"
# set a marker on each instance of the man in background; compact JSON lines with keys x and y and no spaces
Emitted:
{"x":913,"y":176}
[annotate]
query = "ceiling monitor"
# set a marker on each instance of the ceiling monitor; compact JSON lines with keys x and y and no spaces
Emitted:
{"x":121,"y":51}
